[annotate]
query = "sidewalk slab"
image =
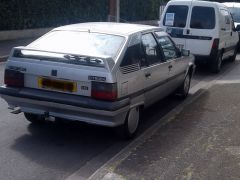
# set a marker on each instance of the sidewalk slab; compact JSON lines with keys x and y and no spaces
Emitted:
{"x":201,"y":142}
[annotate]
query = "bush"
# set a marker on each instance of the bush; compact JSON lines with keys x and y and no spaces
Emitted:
{"x":139,"y":10}
{"x":23,"y":14}
{"x":27,"y":14}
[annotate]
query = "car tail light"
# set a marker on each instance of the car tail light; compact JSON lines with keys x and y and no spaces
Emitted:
{"x":13,"y":78}
{"x":104,"y":91}
{"x":215,"y":44}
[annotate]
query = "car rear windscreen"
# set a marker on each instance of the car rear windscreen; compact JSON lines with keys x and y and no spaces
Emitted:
{"x":176,"y":16}
{"x":78,"y":42}
{"x":202,"y":18}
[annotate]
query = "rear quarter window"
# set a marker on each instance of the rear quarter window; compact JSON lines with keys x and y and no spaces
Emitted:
{"x":176,"y":16}
{"x":203,"y":18}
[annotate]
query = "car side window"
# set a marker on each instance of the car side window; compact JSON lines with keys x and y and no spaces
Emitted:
{"x":151,"y":49}
{"x":133,"y":52}
{"x":227,"y":19}
{"x":168,"y":47}
{"x":132,"y":55}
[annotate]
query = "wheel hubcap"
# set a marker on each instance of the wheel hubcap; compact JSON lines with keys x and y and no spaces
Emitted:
{"x":133,"y":120}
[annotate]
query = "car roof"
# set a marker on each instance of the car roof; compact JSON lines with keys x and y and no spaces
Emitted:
{"x":232,"y":4}
{"x":108,"y":27}
{"x":199,"y":1}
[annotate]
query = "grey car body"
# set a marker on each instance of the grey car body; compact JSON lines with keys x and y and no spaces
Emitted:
{"x":136,"y":66}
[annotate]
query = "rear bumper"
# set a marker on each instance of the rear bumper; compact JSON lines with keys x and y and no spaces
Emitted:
{"x":67,"y":106}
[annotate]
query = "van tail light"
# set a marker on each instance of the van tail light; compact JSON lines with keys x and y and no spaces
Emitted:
{"x":104,"y":91}
{"x":13,"y":78}
{"x":215,"y":44}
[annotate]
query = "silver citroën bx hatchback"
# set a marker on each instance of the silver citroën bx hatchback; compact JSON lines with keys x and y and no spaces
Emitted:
{"x":98,"y":73}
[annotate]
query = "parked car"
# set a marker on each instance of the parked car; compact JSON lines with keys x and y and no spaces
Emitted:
{"x":205,"y":28}
{"x":98,"y":73}
{"x":234,"y":8}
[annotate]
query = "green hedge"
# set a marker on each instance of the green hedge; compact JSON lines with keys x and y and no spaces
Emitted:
{"x":138,"y":10}
{"x":22,"y":14}
{"x":26,"y":14}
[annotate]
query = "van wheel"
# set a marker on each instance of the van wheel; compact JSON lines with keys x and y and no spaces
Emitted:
{"x":183,"y":90}
{"x":130,"y":127}
{"x":233,"y":58}
{"x":217,"y":63}
{"x":34,"y":118}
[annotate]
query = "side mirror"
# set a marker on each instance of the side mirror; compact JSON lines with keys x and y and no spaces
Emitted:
{"x":185,"y":52}
{"x":237,"y":28}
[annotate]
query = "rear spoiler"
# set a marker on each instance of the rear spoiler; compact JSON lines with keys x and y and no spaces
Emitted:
{"x":94,"y":61}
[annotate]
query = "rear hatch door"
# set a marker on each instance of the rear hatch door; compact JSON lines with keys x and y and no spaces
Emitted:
{"x":65,"y":73}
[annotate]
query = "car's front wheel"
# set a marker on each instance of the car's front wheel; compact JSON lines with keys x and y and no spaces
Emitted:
{"x":183,"y":90}
{"x":233,"y":58}
{"x":130,"y":127}
{"x":34,"y":118}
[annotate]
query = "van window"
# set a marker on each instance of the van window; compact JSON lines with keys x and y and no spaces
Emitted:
{"x":202,"y":18}
{"x":176,"y":16}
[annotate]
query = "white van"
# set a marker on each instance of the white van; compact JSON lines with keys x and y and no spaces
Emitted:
{"x":205,"y":28}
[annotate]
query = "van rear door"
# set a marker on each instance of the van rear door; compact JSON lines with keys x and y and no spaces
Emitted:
{"x":201,"y":29}
{"x":174,"y":21}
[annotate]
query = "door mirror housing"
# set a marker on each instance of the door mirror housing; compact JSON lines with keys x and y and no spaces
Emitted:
{"x":185,"y":52}
{"x":237,"y":28}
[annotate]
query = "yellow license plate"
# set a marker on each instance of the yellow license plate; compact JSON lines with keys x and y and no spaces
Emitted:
{"x":59,"y":85}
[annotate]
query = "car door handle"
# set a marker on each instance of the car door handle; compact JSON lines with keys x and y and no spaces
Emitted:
{"x":148,"y":75}
{"x":170,"y":67}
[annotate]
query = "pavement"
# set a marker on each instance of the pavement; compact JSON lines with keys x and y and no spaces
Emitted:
{"x":6,"y":46}
{"x":200,"y":140}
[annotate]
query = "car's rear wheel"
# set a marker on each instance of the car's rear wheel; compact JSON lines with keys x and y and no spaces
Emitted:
{"x":130,"y":127}
{"x":217,"y":63}
{"x":34,"y":118}
{"x":183,"y":90}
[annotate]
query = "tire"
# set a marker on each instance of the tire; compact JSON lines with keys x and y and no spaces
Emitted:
{"x":183,"y":90}
{"x":233,"y":58}
{"x":217,"y":63}
{"x":129,"y":129}
{"x":34,"y":118}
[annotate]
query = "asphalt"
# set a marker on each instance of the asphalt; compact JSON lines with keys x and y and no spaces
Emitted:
{"x":6,"y":46}
{"x":201,"y":141}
